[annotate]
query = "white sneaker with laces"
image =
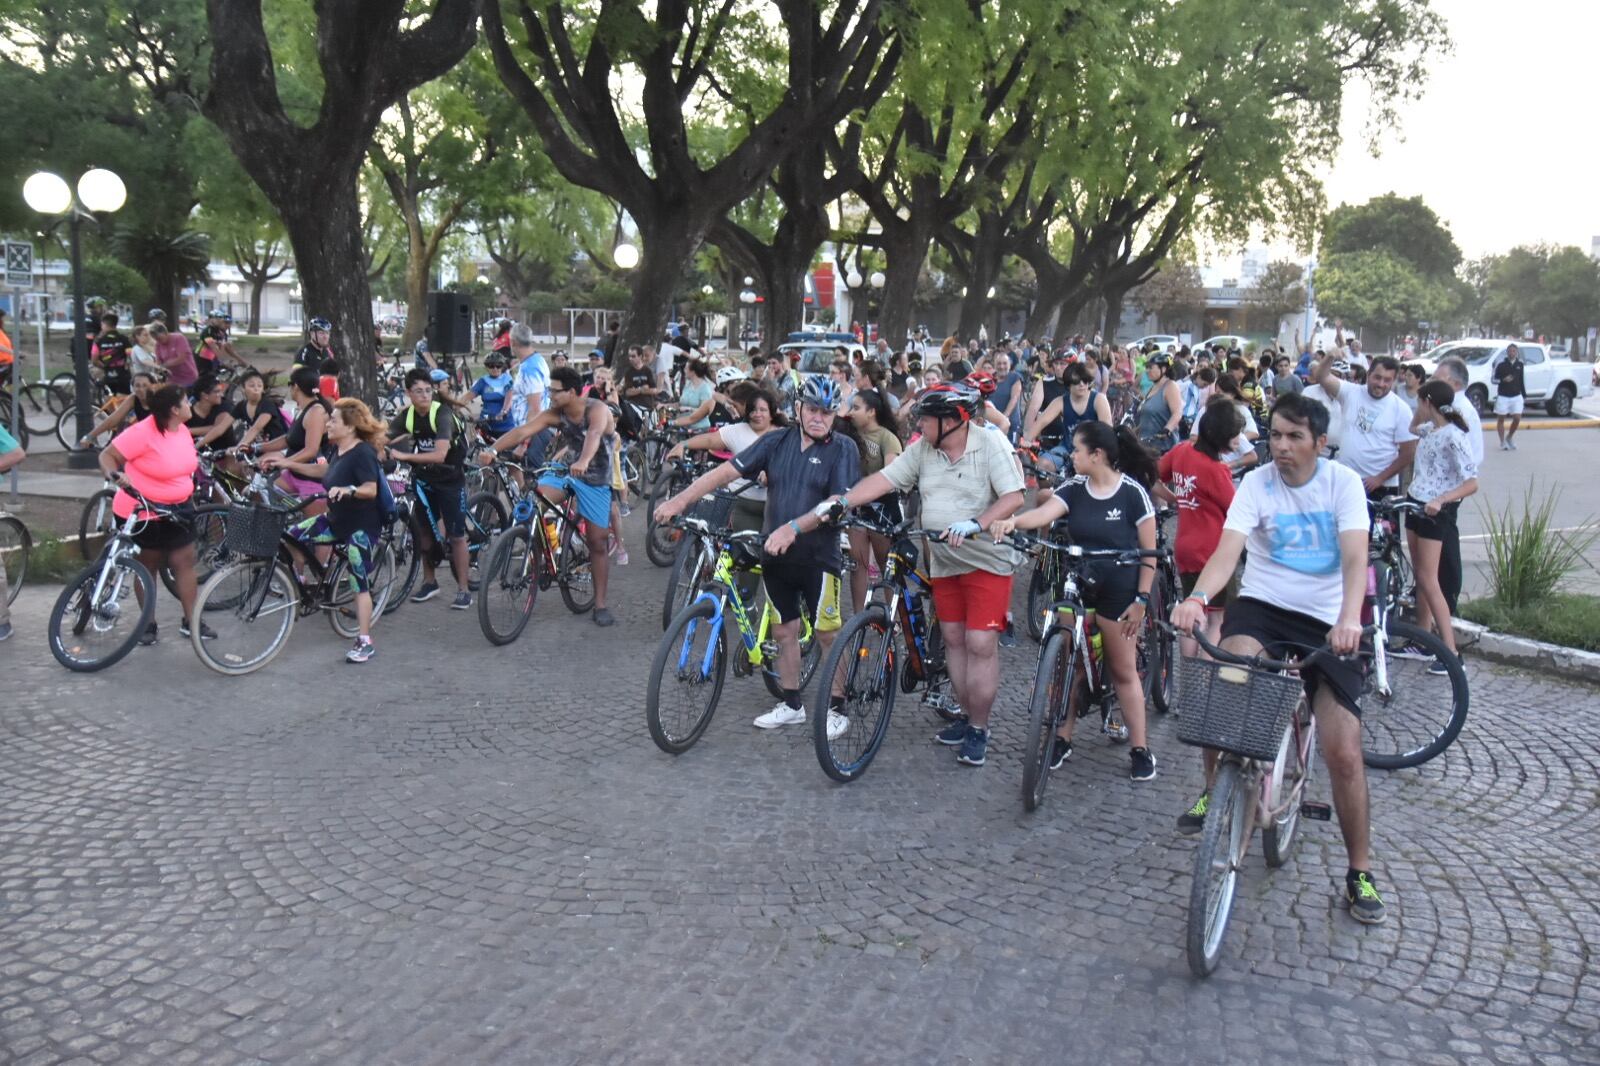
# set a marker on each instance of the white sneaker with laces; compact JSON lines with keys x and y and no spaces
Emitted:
{"x":781,"y":715}
{"x":838,"y":725}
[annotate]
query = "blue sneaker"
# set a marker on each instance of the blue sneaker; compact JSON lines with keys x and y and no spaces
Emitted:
{"x":973,"y":747}
{"x":953,"y":734}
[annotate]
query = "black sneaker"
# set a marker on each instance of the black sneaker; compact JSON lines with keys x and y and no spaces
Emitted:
{"x":603,"y":617}
{"x":426,"y":592}
{"x":148,"y":637}
{"x":1438,"y":668}
{"x":1366,"y":906}
{"x":206,"y":632}
{"x":1193,"y":820}
{"x":1143,"y":764}
{"x":953,"y":734}
{"x":1060,"y":751}
{"x":973,"y":747}
{"x":5,"y":630}
{"x":1411,"y":650}
{"x":462,"y":602}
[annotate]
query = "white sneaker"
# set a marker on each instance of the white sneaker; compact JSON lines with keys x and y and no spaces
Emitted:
{"x":838,"y":725}
{"x":781,"y":715}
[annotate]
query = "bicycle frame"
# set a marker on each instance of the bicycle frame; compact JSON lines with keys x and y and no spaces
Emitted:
{"x":723,"y":596}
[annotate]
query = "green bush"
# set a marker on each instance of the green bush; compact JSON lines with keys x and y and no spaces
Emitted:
{"x":1528,"y":557}
{"x":1572,"y":620}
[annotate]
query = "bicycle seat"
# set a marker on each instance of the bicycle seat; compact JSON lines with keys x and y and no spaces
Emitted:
{"x":744,"y":548}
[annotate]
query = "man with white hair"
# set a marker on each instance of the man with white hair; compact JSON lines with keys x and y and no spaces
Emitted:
{"x":530,"y":380}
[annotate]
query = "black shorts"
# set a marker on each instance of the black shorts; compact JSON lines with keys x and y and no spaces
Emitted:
{"x":799,"y":588}
{"x":1114,"y":588}
{"x":167,"y":534}
{"x":1435,"y":527}
{"x":1284,"y":634}
{"x":447,"y":504}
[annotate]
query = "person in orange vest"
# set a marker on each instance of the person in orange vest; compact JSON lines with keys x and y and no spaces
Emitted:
{"x":7,"y":356}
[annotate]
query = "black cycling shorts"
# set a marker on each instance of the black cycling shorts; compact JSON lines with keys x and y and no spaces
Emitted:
{"x":445,"y":503}
{"x":1287,"y":634}
{"x":797,"y":588}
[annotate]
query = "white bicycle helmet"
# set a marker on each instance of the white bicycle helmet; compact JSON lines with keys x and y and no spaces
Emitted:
{"x":729,"y":374}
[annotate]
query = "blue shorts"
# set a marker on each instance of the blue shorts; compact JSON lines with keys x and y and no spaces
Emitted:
{"x":594,"y":501}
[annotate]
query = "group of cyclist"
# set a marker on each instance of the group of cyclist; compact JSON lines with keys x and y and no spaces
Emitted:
{"x":1103,"y":438}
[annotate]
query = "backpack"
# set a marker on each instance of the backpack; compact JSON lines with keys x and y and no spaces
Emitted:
{"x":387,"y":507}
{"x":457,"y":454}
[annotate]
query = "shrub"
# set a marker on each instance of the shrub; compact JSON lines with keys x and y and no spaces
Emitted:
{"x":1528,"y":556}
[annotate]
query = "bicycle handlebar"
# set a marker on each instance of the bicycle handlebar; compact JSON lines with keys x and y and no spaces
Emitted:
{"x":1024,"y":542}
{"x":1255,"y":662}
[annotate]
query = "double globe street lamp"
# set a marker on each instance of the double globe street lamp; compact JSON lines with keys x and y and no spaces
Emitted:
{"x":101,"y":191}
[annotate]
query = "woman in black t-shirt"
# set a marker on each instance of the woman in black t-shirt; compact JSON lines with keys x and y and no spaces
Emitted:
{"x":1107,"y":505}
{"x":257,"y":415}
{"x":353,"y":522}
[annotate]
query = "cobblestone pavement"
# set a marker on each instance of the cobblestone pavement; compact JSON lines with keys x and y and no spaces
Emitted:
{"x":462,"y":853}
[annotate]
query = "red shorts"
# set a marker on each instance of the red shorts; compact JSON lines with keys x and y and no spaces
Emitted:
{"x":976,"y":599}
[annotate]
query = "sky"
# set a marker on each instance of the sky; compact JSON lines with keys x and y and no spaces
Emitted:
{"x":1505,"y":142}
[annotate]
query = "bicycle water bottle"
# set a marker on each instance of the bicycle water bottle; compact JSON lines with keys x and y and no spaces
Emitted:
{"x":551,"y":533}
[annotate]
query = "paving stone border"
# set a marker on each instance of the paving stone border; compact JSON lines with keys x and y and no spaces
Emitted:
{"x":1574,"y":664}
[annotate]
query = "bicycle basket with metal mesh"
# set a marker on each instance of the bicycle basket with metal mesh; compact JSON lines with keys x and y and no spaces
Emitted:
{"x":254,"y":530}
{"x":1234,"y":708}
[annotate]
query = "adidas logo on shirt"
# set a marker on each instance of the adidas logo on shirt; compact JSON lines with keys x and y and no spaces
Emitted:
{"x":1113,"y":514}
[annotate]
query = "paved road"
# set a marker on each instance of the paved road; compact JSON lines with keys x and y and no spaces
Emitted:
{"x":461,"y":853}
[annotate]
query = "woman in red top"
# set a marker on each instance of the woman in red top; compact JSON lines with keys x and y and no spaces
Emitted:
{"x":157,"y":457}
{"x":1202,"y":484}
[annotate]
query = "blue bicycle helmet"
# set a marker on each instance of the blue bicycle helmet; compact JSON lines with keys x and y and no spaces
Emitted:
{"x":821,"y":392}
{"x":319,"y":323}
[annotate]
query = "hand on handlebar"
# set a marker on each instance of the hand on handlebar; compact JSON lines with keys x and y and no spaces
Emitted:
{"x":1187,"y":615}
{"x":960,"y":531}
{"x":1001,"y":527}
{"x":668,"y":509}
{"x":1345,"y":638}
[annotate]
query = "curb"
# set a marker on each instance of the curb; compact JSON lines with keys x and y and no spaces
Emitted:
{"x":1570,"y":663}
{"x":1551,"y":423}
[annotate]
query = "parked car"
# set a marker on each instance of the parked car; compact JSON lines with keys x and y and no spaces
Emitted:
{"x":1558,"y":351}
{"x":816,"y":358}
{"x":1550,"y":381}
{"x":1230,"y":341}
{"x":1160,"y":340}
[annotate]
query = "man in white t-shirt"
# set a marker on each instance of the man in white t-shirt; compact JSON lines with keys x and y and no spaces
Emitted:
{"x":530,"y":378}
{"x":1375,"y":425}
{"x":1303,"y":520}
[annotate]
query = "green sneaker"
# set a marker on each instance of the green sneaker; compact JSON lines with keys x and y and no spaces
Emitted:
{"x":1366,"y":906}
{"x":1192,"y":820}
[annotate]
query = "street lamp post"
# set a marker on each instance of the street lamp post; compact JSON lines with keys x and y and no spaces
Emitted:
{"x":49,"y":194}
{"x":228,"y":290}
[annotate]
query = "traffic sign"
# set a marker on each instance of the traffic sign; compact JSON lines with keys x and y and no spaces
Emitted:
{"x":19,"y":263}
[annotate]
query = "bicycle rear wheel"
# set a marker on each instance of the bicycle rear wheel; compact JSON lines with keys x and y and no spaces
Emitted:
{"x":90,"y":631}
{"x":509,"y":585}
{"x":1419,"y":714}
{"x":96,"y":519}
{"x":1296,"y":751}
{"x":16,"y":545}
{"x":864,"y":653}
{"x":575,"y":574}
{"x":1038,"y":598}
{"x":661,"y":541}
{"x":1216,"y":868}
{"x":1052,"y":680}
{"x":1158,"y":650}
{"x":407,"y":559}
{"x":261,"y":600}
{"x":686,"y":679}
{"x":343,"y":612}
{"x":810,"y":655}
{"x":37,"y":405}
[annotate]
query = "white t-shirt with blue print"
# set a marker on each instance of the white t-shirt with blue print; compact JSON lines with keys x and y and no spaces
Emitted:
{"x":533,"y":377}
{"x":1292,"y":536}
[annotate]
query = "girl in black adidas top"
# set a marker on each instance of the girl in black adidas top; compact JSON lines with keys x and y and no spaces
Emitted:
{"x":1108,"y":506}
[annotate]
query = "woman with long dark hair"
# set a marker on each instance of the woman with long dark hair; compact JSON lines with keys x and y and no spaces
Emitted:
{"x":1107,"y":505}
{"x":1444,"y":475}
{"x":157,"y":457}
{"x":305,"y":442}
{"x":878,"y":436}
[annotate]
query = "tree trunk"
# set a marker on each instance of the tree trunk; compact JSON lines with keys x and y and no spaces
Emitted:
{"x":258,"y":285}
{"x":1113,"y":319}
{"x":982,"y":274}
{"x":418,"y":267}
{"x":325,"y":233}
{"x":667,"y":245}
{"x":906,"y":248}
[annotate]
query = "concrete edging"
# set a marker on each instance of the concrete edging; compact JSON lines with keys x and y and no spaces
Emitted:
{"x":1573,"y":664}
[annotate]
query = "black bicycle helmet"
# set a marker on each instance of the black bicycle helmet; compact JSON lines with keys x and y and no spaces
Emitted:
{"x":950,"y":400}
{"x":155,"y":314}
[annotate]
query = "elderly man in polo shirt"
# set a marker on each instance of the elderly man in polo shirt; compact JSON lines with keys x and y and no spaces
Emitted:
{"x":969,"y":477}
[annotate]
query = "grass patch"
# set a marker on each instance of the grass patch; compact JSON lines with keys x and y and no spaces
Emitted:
{"x":1568,"y":619}
{"x":54,"y":561}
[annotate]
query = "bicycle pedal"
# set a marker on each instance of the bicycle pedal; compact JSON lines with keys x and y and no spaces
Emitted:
{"x":1317,"y":812}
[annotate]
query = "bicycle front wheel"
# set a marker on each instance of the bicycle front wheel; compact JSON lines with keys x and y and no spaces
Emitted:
{"x":1158,"y":650}
{"x":690,"y":571}
{"x":1285,"y":780}
{"x":1415,"y":715}
{"x":261,"y":601}
{"x":1052,"y":680}
{"x":1216,"y":867}
{"x":509,"y":586}
{"x":95,"y":623}
{"x":16,"y":544}
{"x":406,"y":558}
{"x":96,"y":519}
{"x":686,"y":679}
{"x":864,"y":662}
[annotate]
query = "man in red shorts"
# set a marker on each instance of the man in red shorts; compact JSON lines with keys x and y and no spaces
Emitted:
{"x":969,"y":477}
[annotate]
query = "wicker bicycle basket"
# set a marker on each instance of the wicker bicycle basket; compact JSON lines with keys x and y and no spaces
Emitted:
{"x":254,"y":530}
{"x":1234,"y":708}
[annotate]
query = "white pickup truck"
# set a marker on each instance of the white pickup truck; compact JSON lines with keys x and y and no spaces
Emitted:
{"x":1550,"y":381}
